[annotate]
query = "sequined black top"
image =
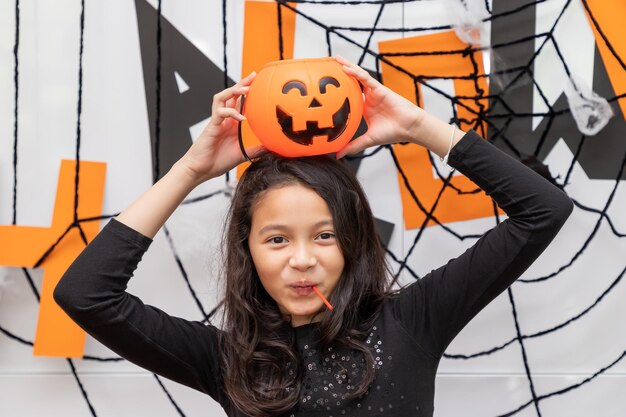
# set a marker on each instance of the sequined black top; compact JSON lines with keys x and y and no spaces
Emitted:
{"x":408,"y":339}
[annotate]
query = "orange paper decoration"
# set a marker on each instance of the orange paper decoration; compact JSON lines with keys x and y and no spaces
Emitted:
{"x":609,"y":15}
{"x":261,"y":44}
{"x":24,"y":246}
{"x":414,"y":159}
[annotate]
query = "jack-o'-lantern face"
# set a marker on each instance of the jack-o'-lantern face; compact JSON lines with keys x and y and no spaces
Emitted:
{"x":304,"y":116}
{"x":304,"y":107}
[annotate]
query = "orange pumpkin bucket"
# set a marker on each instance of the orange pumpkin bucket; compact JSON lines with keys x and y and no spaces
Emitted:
{"x":304,"y":107}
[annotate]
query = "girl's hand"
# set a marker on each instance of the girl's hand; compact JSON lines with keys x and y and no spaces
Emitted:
{"x":390,"y":117}
{"x":216,"y":150}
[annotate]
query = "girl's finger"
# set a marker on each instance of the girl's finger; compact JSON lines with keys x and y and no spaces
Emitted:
{"x":228,"y":96}
{"x":357,"y":145}
{"x":359,"y":73}
{"x":248,"y":79}
{"x":362,"y":76}
{"x":231,"y":102}
{"x":225,"y":112}
{"x":222,"y":98}
{"x":342,"y":60}
{"x":234,"y":91}
{"x":238,"y":104}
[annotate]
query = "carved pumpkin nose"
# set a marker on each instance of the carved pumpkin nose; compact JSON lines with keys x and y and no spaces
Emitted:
{"x":315,"y":103}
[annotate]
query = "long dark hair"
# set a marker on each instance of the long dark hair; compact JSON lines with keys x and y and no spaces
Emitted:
{"x":257,"y":345}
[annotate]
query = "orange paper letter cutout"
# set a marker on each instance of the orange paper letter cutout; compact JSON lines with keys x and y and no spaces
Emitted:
{"x":610,"y":17}
{"x":261,"y":44}
{"x":24,"y":246}
{"x":414,"y":159}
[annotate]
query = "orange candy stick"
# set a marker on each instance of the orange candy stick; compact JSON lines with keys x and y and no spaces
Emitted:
{"x":319,"y":294}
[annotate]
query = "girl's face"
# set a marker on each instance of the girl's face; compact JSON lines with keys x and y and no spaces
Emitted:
{"x":293,"y":246}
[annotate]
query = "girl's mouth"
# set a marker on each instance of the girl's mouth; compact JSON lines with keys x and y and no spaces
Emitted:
{"x":302,"y":289}
{"x":305,"y":288}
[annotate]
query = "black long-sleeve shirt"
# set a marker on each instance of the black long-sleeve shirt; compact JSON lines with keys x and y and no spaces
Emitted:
{"x":408,"y":338}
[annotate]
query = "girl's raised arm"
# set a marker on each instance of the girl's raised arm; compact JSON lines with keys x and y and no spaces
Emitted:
{"x":215,"y":152}
{"x":435,"y":308}
{"x":93,"y":290}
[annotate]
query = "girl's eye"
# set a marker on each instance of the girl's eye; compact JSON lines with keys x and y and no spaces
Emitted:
{"x":277,"y":240}
{"x":326,"y":236}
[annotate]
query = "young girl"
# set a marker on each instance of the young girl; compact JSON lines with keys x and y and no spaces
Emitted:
{"x":299,"y":225}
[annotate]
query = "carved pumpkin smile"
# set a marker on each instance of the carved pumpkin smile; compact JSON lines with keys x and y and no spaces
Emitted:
{"x":305,"y":137}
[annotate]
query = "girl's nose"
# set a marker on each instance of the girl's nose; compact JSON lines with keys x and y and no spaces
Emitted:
{"x":302,"y":259}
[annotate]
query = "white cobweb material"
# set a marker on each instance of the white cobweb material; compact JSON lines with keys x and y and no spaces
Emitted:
{"x":5,"y":281}
{"x":467,"y":17}
{"x":590,"y":111}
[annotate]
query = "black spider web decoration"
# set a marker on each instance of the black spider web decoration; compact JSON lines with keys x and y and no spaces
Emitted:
{"x":480,"y":117}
